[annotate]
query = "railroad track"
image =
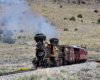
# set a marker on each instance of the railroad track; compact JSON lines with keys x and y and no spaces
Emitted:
{"x":15,"y":72}
{"x":98,"y":61}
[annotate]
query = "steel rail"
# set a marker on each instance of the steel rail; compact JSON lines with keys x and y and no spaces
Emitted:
{"x":15,"y":72}
{"x":98,"y":61}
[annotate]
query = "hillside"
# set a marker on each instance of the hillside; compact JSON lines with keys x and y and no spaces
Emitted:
{"x":85,"y":30}
{"x":87,"y":27}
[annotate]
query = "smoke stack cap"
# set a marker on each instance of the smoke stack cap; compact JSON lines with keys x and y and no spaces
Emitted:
{"x":40,"y":37}
{"x":54,"y":41}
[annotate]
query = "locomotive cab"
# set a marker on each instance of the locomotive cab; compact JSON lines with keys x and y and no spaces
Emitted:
{"x":53,"y":51}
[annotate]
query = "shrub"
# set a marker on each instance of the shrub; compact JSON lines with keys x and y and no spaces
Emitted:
{"x":80,"y":16}
{"x":20,"y":78}
{"x":98,"y":66}
{"x":81,"y":20}
{"x":26,"y":48}
{"x":76,"y":29}
{"x":33,"y":77}
{"x":29,"y":5}
{"x":46,"y":21}
{"x":25,"y":77}
{"x":49,"y":78}
{"x":23,"y":36}
{"x":98,"y":20}
{"x":1,"y":38}
{"x":65,"y":18}
{"x":83,"y":2}
{"x":43,"y":10}
{"x":66,"y":29}
{"x":15,"y":30}
{"x":96,"y":11}
{"x":3,"y":71}
{"x":52,"y":24}
{"x":79,"y":1}
{"x":1,"y":31}
{"x":19,"y":37}
{"x":92,"y":22}
{"x":60,"y":6}
{"x":23,"y":12}
{"x":21,"y":69}
{"x":74,"y":2}
{"x":7,"y":33}
{"x":3,"y":24}
{"x":63,"y":71}
{"x":21,"y":30}
{"x":8,"y":40}
{"x":68,"y":1}
{"x":72,"y":18}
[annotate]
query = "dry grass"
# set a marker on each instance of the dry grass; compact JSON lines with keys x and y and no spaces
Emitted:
{"x":21,"y":53}
{"x":15,"y":56}
{"x":84,"y":74}
{"x":88,"y":32}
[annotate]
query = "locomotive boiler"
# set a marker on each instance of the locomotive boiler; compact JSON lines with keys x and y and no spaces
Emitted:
{"x":54,"y":54}
{"x":40,"y":52}
{"x":46,"y":55}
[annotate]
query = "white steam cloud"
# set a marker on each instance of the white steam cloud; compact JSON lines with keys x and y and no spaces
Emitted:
{"x":17,"y":15}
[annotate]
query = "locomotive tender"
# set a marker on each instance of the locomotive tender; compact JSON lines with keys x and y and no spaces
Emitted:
{"x":56,"y":55}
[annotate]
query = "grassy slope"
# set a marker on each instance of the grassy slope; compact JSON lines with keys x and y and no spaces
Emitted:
{"x":20,"y":54}
{"x":88,"y":32}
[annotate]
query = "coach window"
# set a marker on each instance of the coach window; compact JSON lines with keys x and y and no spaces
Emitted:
{"x":76,"y":50}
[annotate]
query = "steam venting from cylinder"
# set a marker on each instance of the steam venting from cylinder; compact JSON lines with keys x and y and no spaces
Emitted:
{"x":54,"y":41}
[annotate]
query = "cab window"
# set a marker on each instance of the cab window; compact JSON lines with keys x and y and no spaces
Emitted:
{"x":76,"y":50}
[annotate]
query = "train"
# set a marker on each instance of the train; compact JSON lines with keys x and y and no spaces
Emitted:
{"x":53,"y":54}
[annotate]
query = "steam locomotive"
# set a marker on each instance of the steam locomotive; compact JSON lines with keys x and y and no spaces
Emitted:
{"x":54,"y":54}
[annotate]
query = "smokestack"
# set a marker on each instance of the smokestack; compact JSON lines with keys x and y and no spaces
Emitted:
{"x":54,"y":41}
{"x":40,"y":37}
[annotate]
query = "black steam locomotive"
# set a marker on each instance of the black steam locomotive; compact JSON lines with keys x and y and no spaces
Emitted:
{"x":56,"y":55}
{"x":43,"y":58}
